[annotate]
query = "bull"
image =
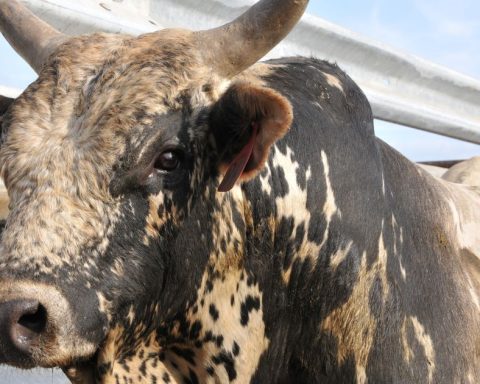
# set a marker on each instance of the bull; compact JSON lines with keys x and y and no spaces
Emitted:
{"x":182,"y":214}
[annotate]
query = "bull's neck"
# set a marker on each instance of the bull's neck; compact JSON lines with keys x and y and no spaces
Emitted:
{"x":227,"y":297}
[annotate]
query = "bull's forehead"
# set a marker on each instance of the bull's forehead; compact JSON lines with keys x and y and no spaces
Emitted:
{"x":95,"y":97}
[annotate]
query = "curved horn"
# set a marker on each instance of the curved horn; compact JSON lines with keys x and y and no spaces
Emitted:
{"x":235,"y":46}
{"x":32,"y":38}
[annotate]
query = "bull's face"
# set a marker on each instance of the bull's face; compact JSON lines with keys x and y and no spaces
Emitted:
{"x":112,"y":160}
{"x":97,"y":175}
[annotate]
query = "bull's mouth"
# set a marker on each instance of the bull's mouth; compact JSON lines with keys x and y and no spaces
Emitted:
{"x":88,"y":370}
{"x":82,"y":372}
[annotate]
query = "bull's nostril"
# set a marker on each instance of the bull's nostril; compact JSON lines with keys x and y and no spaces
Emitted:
{"x":29,"y":327}
{"x":23,"y":322}
{"x":36,"y":321}
{"x":28,"y":324}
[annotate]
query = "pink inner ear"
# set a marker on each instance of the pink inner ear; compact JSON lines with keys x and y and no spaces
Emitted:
{"x":238,"y":164}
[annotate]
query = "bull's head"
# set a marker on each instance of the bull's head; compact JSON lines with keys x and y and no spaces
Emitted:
{"x":112,"y":160}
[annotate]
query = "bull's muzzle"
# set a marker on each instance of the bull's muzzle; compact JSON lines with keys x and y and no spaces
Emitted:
{"x":37,"y":327}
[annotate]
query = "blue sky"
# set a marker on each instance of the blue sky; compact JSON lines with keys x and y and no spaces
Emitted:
{"x":446,"y":32}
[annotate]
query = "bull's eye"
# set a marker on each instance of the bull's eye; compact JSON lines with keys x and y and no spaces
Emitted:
{"x":167,"y":161}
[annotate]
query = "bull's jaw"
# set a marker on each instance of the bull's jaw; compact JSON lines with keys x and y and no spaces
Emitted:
{"x":142,"y":364}
{"x":83,"y":373}
{"x":196,"y":346}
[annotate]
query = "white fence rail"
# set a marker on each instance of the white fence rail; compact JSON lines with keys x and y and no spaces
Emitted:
{"x":401,"y":88}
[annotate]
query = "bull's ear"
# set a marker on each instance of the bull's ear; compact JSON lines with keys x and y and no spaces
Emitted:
{"x":246,"y":121}
{"x":4,"y":104}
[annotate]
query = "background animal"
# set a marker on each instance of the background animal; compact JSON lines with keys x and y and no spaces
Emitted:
{"x":466,"y":172}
